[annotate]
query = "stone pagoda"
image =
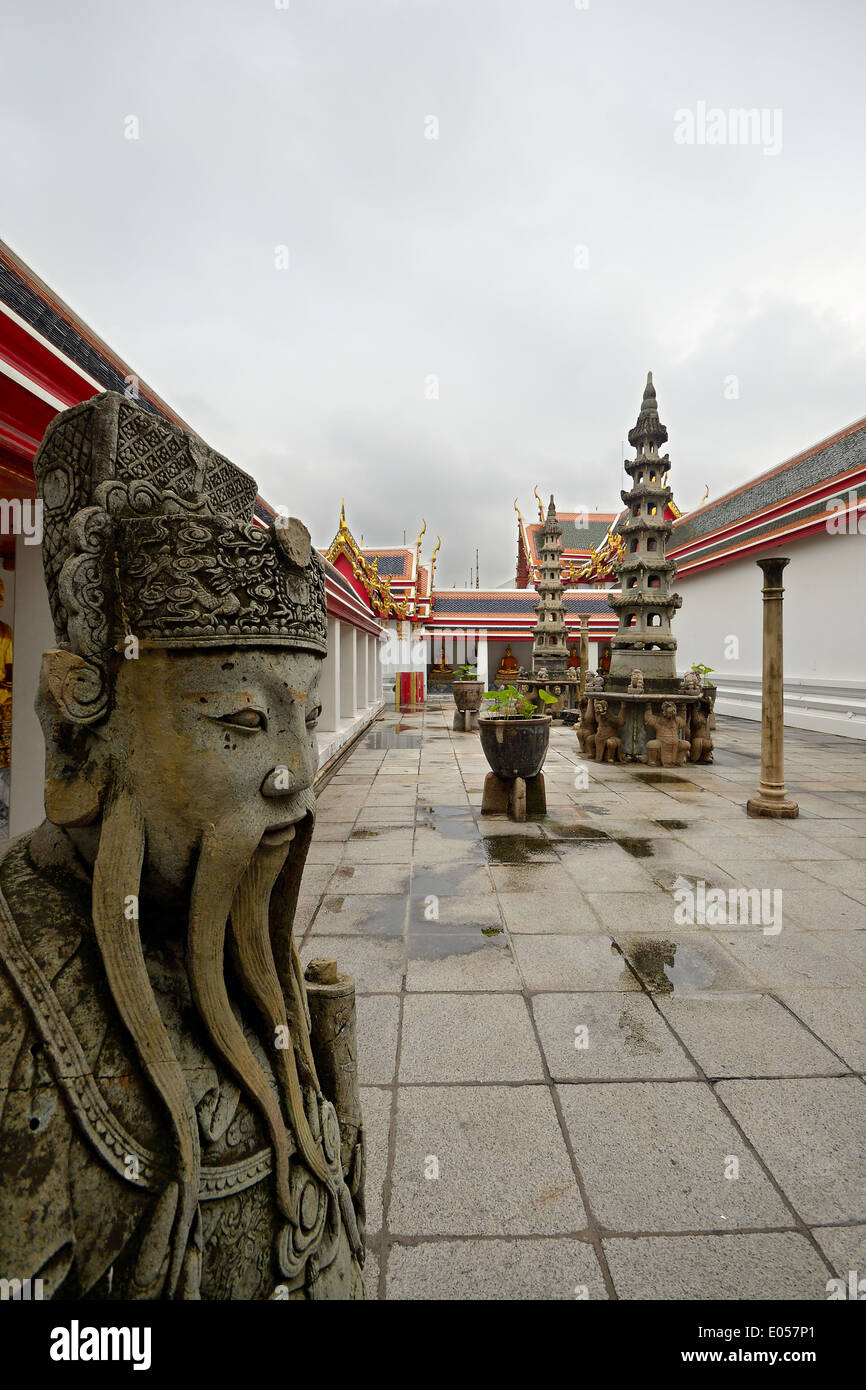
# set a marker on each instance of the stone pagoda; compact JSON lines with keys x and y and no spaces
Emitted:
{"x":549,"y":647}
{"x":640,"y":711}
{"x":644,"y":641}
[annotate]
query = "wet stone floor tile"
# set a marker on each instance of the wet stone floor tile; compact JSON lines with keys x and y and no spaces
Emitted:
{"x":534,"y":1020}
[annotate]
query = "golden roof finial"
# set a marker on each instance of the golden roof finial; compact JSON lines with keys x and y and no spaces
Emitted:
{"x":420,"y":534}
{"x":343,"y":512}
{"x":706,"y":495}
{"x":517,"y":509}
{"x":540,"y":505}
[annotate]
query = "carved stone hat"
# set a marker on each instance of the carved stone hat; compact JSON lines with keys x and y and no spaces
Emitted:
{"x":148,"y":532}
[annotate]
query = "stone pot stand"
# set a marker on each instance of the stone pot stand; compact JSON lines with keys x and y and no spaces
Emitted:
{"x":467,"y":698}
{"x":515,"y":750}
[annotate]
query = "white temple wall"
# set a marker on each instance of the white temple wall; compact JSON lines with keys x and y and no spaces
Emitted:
{"x":720,"y":625}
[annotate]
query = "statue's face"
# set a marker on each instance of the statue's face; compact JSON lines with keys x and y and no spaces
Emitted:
{"x":668,"y":710}
{"x":216,"y":741}
{"x":601,"y":708}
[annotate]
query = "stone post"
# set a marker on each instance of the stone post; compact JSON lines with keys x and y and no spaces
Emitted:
{"x":771,"y":798}
{"x":584,"y":650}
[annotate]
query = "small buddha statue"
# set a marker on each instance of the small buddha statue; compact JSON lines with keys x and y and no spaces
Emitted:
{"x":574,"y":660}
{"x":508,"y":667}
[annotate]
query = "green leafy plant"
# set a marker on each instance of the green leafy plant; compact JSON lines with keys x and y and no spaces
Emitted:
{"x":465,"y":673}
{"x":703,"y":671}
{"x":510,"y":704}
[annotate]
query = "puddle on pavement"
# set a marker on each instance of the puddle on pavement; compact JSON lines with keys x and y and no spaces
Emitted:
{"x":653,"y":778}
{"x":459,"y":941}
{"x":674,"y":824}
{"x":637,"y":845}
{"x":452,"y":822}
{"x":669,"y":966}
{"x":447,"y":883}
{"x":515,"y":849}
{"x":667,"y":876}
{"x":392,"y":738}
{"x":636,"y":1042}
{"x":371,"y":915}
{"x":556,"y":831}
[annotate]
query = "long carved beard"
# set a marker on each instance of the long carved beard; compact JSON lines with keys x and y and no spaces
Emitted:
{"x":234,"y":882}
{"x":254,"y":958}
{"x":117,"y":875}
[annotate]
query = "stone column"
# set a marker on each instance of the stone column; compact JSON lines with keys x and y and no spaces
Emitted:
{"x":584,"y":650}
{"x":348,"y":697}
{"x":771,"y":798}
{"x":361,"y":670}
{"x":329,"y":722}
{"x":371,"y":668}
{"x":481,"y":659}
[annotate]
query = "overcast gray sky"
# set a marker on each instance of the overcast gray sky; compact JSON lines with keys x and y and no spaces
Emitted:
{"x":455,"y":258}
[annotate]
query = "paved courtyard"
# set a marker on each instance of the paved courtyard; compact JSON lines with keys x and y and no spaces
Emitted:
{"x":571,"y":1089}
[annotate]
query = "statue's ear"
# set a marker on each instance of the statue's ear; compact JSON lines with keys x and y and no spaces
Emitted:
{"x":76,"y":689}
{"x":72,"y":695}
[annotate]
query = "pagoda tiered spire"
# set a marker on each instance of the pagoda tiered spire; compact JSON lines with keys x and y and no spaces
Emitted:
{"x":645,"y":606}
{"x":549,"y":647}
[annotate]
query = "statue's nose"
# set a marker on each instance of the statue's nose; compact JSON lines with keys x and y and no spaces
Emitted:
{"x":282,"y":779}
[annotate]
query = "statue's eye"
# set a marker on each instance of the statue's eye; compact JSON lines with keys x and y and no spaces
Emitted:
{"x":313,"y":717}
{"x":245,"y":719}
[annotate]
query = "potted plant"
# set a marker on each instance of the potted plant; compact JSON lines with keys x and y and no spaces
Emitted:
{"x":703,"y":672}
{"x":466,"y":689}
{"x":514,"y":736}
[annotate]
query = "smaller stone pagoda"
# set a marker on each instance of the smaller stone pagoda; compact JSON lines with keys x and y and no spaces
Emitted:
{"x":550,"y":646}
{"x":644,"y":641}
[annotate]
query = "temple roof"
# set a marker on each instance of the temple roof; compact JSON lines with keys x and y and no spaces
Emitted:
{"x":823,"y":462}
{"x":576,"y":538}
{"x":396,"y":563}
{"x":22,"y":290}
{"x":522,"y":601}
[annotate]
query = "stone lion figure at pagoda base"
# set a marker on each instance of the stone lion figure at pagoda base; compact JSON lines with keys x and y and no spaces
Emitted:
{"x":180,"y":1116}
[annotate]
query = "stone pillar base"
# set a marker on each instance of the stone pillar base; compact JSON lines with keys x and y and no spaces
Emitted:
{"x":514,"y":797}
{"x":466,"y":721}
{"x":761,"y":805}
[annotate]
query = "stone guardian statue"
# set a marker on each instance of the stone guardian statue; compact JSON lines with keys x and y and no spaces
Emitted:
{"x":167,"y":1129}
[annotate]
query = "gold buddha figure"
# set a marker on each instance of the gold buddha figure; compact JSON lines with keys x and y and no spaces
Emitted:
{"x":508,"y":667}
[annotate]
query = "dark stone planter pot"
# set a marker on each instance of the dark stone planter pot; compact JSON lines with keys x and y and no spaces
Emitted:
{"x":467,"y":694}
{"x":515,"y":747}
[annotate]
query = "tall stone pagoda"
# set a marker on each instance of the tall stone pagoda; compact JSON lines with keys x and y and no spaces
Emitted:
{"x":644,"y":641}
{"x":550,"y":647}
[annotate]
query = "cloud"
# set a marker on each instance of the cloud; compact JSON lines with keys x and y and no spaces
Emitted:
{"x":452,"y":257}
